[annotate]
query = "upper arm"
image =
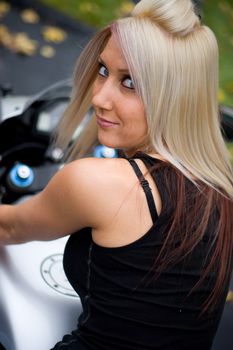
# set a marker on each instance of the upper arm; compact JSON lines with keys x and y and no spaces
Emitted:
{"x":72,"y":200}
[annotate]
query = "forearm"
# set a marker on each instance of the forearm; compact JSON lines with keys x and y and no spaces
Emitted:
{"x":21,"y":223}
{"x":7,"y":225}
{"x":63,"y":207}
{"x":37,"y":218}
{"x":16,"y":223}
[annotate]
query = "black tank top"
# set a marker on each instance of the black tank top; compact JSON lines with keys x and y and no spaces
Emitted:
{"x":124,"y":306}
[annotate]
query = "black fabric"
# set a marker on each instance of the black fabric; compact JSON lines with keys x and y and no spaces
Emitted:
{"x":71,"y":342}
{"x":124,"y":306}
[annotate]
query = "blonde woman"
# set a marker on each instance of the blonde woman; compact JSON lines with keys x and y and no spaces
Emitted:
{"x":150,"y":250}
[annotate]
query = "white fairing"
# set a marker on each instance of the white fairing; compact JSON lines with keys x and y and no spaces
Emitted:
{"x":37,"y":304}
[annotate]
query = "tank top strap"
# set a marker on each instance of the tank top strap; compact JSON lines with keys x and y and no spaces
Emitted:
{"x":146,"y":188}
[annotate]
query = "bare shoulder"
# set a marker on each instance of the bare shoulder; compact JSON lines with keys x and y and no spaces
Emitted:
{"x":96,"y":179}
{"x":93,"y":187}
{"x":96,"y":171}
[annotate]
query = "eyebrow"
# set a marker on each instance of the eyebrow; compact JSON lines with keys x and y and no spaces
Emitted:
{"x":123,"y":71}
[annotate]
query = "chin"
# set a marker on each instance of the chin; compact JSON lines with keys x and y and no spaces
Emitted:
{"x":109,"y":142}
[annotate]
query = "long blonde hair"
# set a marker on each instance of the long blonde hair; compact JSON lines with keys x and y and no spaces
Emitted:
{"x":173,"y":60}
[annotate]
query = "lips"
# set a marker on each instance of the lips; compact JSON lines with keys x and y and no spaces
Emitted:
{"x":104,"y":123}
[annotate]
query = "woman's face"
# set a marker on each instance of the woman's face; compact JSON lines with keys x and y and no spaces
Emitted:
{"x":119,"y":110}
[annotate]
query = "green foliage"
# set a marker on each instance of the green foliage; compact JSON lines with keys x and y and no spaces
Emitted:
{"x":218,"y":15}
{"x":95,"y":13}
{"x":230,"y":148}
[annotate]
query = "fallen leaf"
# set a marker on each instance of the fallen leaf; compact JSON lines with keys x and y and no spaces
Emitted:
{"x":47,"y":51}
{"x":221,"y":95}
{"x":125,"y":8}
{"x":24,"y":45}
{"x":54,"y":34}
{"x":89,"y":7}
{"x":4,"y":34}
{"x":30,"y":16}
{"x":18,"y":43}
{"x":6,"y":38}
{"x":229,"y":296}
{"x":4,"y":8}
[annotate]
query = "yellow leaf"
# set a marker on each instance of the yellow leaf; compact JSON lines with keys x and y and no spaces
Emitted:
{"x":54,"y":34}
{"x":3,"y":32}
{"x":47,"y":51}
{"x":4,"y":8}
{"x":18,"y":43}
{"x":6,"y":38}
{"x":30,"y":16}
{"x":125,"y":8}
{"x":221,"y":95}
{"x":24,"y":45}
{"x":89,"y":7}
{"x":229,"y":296}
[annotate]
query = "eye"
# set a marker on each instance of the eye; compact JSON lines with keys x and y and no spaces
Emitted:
{"x":128,"y":83}
{"x":102,"y":70}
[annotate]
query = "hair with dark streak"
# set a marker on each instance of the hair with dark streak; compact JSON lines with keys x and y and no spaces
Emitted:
{"x":175,"y":73}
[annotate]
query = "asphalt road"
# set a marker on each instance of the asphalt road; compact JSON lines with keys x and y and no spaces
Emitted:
{"x":29,"y":74}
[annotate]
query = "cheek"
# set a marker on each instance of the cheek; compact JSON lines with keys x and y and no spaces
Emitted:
{"x":139,"y":119}
{"x":136,"y":127}
{"x":94,"y":89}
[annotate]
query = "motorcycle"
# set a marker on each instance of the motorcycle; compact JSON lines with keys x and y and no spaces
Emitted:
{"x":37,"y":304}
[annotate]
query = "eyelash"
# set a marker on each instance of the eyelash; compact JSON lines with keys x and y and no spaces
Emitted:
{"x":104,"y":74}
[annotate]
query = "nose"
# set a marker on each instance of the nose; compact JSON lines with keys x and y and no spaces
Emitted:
{"x":103,"y":95}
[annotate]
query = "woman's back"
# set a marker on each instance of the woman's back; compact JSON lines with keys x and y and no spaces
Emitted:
{"x":125,"y":305}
